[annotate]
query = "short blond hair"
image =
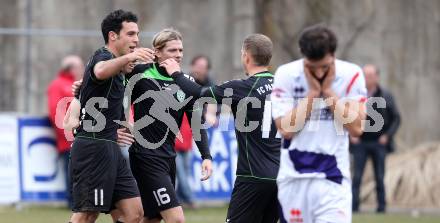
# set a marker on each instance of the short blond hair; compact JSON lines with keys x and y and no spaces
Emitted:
{"x":165,"y":35}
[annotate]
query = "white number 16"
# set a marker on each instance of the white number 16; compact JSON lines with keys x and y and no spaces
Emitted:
{"x":161,"y":196}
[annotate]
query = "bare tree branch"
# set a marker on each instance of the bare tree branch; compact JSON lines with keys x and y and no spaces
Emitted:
{"x":358,"y":30}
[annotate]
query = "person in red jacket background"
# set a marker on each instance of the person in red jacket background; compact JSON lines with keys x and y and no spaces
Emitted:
{"x":183,"y":160}
{"x":72,"y":69}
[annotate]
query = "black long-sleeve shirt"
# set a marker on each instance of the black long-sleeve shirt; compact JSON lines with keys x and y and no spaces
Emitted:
{"x":258,"y":149}
{"x":159,"y":106}
{"x":110,"y":90}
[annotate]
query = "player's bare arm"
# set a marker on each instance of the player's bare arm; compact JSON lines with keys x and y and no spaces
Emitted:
{"x":109,"y":68}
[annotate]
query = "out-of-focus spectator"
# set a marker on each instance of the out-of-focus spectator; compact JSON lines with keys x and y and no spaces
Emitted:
{"x":200,"y":67}
{"x":374,"y":144}
{"x":72,"y":68}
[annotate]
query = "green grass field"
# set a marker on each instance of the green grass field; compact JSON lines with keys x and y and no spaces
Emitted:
{"x":46,"y":214}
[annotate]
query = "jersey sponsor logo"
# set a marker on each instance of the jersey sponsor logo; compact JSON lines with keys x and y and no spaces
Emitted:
{"x":299,"y":92}
{"x":180,"y":95}
{"x":277,"y":92}
{"x":296,"y":216}
{"x":299,"y":89}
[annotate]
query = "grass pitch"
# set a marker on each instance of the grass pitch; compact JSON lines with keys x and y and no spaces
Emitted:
{"x":45,"y":214}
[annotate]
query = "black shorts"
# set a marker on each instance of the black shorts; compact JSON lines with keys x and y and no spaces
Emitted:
{"x":156,"y":177}
{"x":99,"y":176}
{"x":253,"y":201}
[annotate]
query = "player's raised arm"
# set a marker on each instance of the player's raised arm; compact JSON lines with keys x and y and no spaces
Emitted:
{"x":185,"y":82}
{"x":109,"y":68}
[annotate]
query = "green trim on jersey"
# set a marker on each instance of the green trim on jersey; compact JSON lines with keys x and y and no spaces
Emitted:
{"x":125,"y":80}
{"x":246,"y":119}
{"x":252,"y":88}
{"x":94,"y":138}
{"x":153,"y":73}
{"x":213,"y":95}
{"x":193,"y":110}
{"x":264,"y":75}
{"x":259,"y":178}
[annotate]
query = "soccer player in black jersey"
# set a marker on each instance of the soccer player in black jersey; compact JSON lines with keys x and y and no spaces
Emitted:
{"x":159,"y":106}
{"x":254,"y":197}
{"x":101,"y":181}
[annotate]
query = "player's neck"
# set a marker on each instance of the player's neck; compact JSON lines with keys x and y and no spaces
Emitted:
{"x":112,"y":50}
{"x":251,"y":71}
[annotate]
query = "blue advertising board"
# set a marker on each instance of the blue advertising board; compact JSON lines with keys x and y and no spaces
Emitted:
{"x":41,"y":175}
{"x":223,"y":147}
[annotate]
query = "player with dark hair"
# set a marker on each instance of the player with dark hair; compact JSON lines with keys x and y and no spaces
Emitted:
{"x":101,"y":180}
{"x":317,"y":102}
{"x":254,"y":197}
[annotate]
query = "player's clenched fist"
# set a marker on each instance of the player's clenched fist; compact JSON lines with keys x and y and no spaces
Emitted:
{"x":171,"y":65}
